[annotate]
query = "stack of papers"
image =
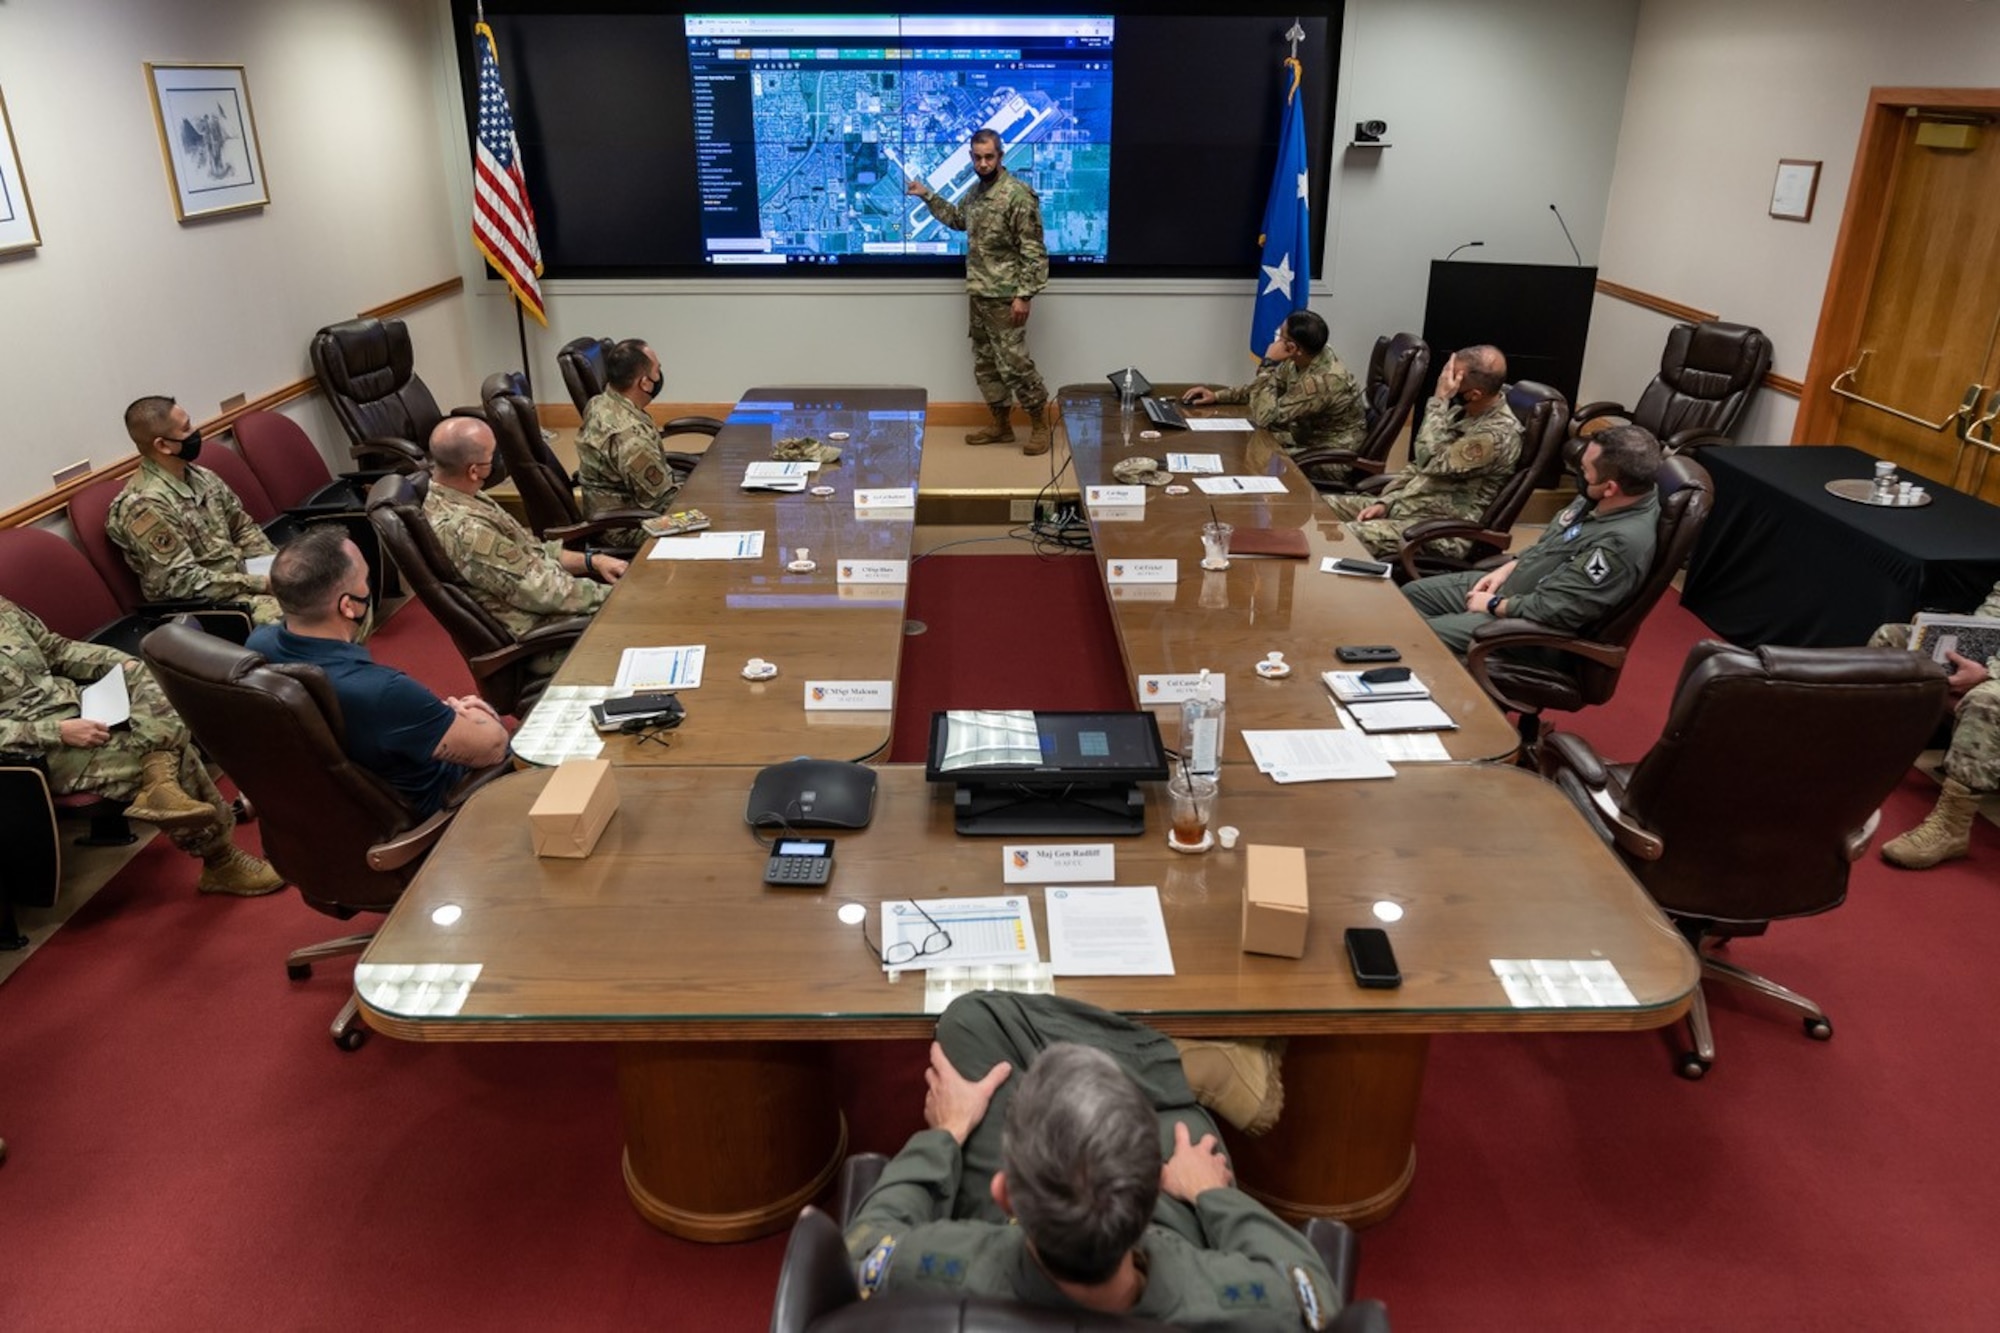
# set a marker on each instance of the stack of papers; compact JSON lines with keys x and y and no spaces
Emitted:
{"x":1316,"y":756}
{"x":1348,"y":687}
{"x":778,"y":476}
{"x":710,"y":546}
{"x":1257,"y":485}
{"x":1401,"y":715}
{"x":1220,"y":423}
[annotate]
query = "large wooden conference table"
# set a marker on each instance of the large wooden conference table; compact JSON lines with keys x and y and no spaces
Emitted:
{"x":722,"y":994}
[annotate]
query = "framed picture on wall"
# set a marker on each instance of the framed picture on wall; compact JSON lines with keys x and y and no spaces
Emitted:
{"x":1793,"y":192}
{"x":208,"y":136}
{"x":17,"y":213}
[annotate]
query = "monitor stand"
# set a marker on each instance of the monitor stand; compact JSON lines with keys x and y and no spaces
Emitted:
{"x":1105,"y":810}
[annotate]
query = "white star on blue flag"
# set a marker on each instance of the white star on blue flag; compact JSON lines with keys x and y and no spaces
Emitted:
{"x":1287,"y":258}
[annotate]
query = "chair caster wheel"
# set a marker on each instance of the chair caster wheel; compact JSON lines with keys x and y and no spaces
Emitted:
{"x":1692,"y":1067}
{"x":351,"y":1039}
{"x":298,"y":971}
{"x":1819,"y":1029}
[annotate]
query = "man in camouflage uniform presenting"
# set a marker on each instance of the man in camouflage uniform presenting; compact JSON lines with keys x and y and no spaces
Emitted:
{"x":1467,"y":448}
{"x":1971,"y":765}
{"x":620,"y":464}
{"x":182,"y":529}
{"x":1302,"y":394}
{"x":521,"y":582}
{"x":149,"y":761}
{"x":1589,"y":559}
{"x":1006,"y":266}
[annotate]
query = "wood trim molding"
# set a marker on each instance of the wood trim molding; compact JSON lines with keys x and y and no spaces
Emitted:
{"x":1785,"y":384}
{"x":436,"y":291}
{"x":1657,"y":304}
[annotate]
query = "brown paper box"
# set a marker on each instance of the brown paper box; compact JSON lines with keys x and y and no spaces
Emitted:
{"x":573,"y":808}
{"x":1274,"y":901}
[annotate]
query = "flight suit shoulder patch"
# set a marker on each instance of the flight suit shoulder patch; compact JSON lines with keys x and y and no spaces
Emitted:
{"x":1597,"y":566}
{"x":1311,"y":1312}
{"x":875,"y":1268}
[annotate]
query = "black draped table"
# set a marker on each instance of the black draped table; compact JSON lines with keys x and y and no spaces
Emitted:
{"x":1783,"y":561}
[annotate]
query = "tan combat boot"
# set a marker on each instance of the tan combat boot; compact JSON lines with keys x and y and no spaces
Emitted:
{"x":161,"y":800}
{"x":1238,"y":1080}
{"x":1003,"y":427}
{"x":1945,"y":835}
{"x":1038,"y":432}
{"x":227,"y":868}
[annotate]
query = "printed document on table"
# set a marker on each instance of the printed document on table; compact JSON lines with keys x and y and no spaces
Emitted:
{"x":1257,"y":485}
{"x":1562,"y":983}
{"x":642,"y":669}
{"x":710,"y":546}
{"x":1411,"y":747}
{"x":106,"y":699}
{"x":1107,"y":932}
{"x":1316,"y":756}
{"x":1194,"y":462}
{"x":1219,"y":423}
{"x":983,"y":931}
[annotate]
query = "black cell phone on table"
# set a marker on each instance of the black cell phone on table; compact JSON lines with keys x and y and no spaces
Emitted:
{"x":1388,"y":675}
{"x":800,"y":863}
{"x":1373,"y":961}
{"x":1349,"y":565}
{"x":1367,"y":652}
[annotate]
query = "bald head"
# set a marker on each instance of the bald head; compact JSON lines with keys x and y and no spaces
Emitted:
{"x":460,"y":444}
{"x":1485,"y":368}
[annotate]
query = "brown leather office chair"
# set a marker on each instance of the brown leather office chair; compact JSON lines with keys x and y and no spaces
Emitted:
{"x":498,"y":660}
{"x":1759,"y":794}
{"x":817,"y":1292}
{"x":348,"y":841}
{"x":548,"y":492}
{"x":1591,"y":659}
{"x":582,"y":363}
{"x":367,"y":370}
{"x":1544,"y":416}
{"x":1396,"y":371}
{"x":1709,"y":372}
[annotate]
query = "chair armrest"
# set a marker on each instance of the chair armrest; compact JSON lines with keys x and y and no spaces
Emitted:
{"x":468,"y":410}
{"x":604,"y":522}
{"x":691,"y":426}
{"x":1585,"y":414}
{"x":1338,"y":1250}
{"x":188,"y":606}
{"x":1694,"y":437}
{"x":400,"y":455}
{"x":475,"y":781}
{"x":562,"y":634}
{"x":410,"y":844}
{"x":1569,"y":761}
{"x":816,"y":1275}
{"x":683,"y":463}
{"x":858,"y":1175}
{"x":1426,"y":531}
{"x":1511,"y":633}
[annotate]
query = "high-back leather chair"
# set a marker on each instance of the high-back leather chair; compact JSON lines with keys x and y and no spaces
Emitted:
{"x":1593,"y":657}
{"x":367,"y":370}
{"x":347,"y":840}
{"x":817,"y":1292}
{"x":547,"y":491}
{"x":1760,"y":793}
{"x":499,"y":661}
{"x":1709,"y":372}
{"x":1396,"y":371}
{"x":1544,"y":416}
{"x":581,"y":361}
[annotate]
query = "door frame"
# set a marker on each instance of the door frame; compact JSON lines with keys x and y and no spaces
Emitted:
{"x":1851,"y":278}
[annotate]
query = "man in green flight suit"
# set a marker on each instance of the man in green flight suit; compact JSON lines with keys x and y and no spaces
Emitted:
{"x":182,"y":529}
{"x":1006,"y":267}
{"x":1467,"y":448}
{"x":1098,"y":1149}
{"x":1302,"y":394}
{"x":1587,"y":561}
{"x":620,"y":464}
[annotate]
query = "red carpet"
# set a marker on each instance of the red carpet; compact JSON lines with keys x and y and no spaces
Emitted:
{"x":190,"y":1152}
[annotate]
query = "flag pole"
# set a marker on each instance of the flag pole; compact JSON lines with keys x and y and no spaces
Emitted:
{"x":521,"y":333}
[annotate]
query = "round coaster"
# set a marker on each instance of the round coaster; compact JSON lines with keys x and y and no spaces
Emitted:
{"x":770,"y":670}
{"x":1207,"y":841}
{"x":803,"y":566}
{"x":838,"y":435}
{"x":1274,"y":670}
{"x":822,"y":490}
{"x":1149,"y":435}
{"x":1175,"y":490}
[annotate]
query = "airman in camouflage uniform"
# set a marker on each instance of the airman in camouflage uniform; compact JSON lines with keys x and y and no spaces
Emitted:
{"x":1006,"y":267}
{"x":151,"y":761}
{"x":182,"y":529}
{"x":1302,"y":394}
{"x":620,"y":464}
{"x":1589,"y":559}
{"x":1463,"y":455}
{"x":521,"y":582}
{"x":1971,"y":764}
{"x":1011,"y":1076}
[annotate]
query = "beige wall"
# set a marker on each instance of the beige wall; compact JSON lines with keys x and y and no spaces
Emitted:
{"x":1719,"y":91}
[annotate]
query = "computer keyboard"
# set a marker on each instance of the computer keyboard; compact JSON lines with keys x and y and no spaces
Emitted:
{"x":1164,"y":413}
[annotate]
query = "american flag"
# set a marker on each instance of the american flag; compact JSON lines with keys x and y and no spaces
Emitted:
{"x":503,"y":221}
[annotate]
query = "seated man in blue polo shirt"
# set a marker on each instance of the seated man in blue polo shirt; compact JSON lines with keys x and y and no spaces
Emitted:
{"x":396,"y":728}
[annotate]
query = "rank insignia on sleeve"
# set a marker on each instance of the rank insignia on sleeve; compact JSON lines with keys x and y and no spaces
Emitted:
{"x":875,"y":1267}
{"x":1309,"y":1307}
{"x":1597,"y":566}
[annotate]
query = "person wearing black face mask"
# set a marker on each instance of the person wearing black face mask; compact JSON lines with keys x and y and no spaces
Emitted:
{"x":181,"y":528}
{"x":620,"y":465}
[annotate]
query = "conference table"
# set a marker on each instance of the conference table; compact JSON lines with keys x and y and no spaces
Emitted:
{"x":1783,"y":561}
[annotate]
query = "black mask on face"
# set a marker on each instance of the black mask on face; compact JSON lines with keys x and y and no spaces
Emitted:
{"x":364,"y":624}
{"x":190,"y":448}
{"x":654,"y":385}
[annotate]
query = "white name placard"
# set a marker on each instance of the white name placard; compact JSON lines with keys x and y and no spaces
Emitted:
{"x":1142,"y":571}
{"x":1179,"y":688}
{"x":1114,"y":495}
{"x":1118,"y":513}
{"x":872,"y":571}
{"x":1074,"y":863}
{"x":886,"y":497}
{"x":1144,"y":592}
{"x":850,"y":695}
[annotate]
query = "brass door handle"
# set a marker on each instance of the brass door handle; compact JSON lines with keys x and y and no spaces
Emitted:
{"x":1842,"y":387}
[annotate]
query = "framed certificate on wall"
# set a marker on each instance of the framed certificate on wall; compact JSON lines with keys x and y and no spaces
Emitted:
{"x":1792,"y":193}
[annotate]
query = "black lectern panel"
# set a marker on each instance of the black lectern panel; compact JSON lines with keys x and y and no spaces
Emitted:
{"x":1537,"y":314}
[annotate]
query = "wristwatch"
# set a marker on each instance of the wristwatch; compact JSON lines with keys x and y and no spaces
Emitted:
{"x":1493,"y":605}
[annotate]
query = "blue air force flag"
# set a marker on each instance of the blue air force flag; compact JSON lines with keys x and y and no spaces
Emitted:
{"x":1285,"y":272}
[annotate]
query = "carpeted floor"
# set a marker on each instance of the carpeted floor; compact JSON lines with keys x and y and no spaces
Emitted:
{"x":189,"y":1151}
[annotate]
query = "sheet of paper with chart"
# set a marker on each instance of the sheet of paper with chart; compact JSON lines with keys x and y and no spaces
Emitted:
{"x":643,"y":669}
{"x":982,"y":931}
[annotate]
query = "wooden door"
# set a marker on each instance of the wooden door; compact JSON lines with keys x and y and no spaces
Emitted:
{"x":1906,"y":363}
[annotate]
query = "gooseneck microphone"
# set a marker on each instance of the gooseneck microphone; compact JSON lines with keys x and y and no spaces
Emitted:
{"x":1467,"y":246}
{"x":1566,"y":236}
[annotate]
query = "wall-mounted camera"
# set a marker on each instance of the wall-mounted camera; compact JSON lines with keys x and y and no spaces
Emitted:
{"x":1370,"y":131}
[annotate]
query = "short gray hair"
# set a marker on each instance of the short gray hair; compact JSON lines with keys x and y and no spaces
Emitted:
{"x":1081,"y":1150}
{"x":459,"y":444}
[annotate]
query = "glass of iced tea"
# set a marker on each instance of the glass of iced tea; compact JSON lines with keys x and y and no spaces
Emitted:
{"x":1192,"y":798}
